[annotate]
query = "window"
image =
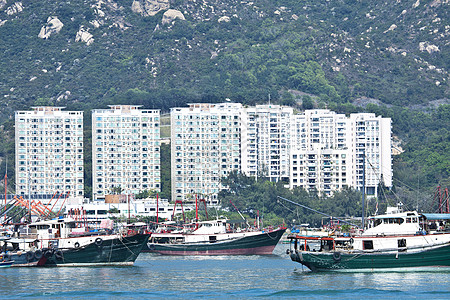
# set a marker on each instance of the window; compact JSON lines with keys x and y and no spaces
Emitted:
{"x":367,"y":245}
{"x":401,"y":243}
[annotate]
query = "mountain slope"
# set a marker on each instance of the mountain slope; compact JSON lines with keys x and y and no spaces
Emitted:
{"x":110,"y":51}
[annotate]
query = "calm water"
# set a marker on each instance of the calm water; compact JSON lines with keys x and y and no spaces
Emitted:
{"x":239,"y":277}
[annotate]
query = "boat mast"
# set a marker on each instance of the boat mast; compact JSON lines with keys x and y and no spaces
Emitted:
{"x":196,"y":212}
{"x":29,"y":193}
{"x":6,"y":178}
{"x":363,"y":188}
{"x":157,"y":208}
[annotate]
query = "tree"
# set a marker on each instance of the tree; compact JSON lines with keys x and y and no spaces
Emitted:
{"x":116,"y":190}
{"x":307,"y":102}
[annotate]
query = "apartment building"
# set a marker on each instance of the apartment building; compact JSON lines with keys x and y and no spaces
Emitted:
{"x":266,"y":142}
{"x":125,"y":150}
{"x":205,"y":147}
{"x":371,"y":140}
{"x":329,"y":149}
{"x":49,"y":153}
{"x":315,"y":150}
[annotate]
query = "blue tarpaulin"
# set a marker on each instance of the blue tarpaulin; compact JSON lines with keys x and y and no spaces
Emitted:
{"x":437,"y":216}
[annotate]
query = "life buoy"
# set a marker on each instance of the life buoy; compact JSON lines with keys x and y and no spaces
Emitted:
{"x":76,"y":245}
{"x":30,"y":256}
{"x":98,"y":241}
{"x":337,"y":256}
{"x":59,"y":254}
{"x":38,"y":254}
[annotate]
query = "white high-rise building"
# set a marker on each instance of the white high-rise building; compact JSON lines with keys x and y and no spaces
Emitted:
{"x":328,"y":149}
{"x":371,"y":139}
{"x":49,"y":153}
{"x":265,"y":141}
{"x":125,"y":150}
{"x":205,"y":147}
{"x":315,"y":150}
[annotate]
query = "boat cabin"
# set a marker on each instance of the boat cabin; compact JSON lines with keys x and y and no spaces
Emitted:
{"x":18,"y":244}
{"x":395,"y":224}
{"x":211,"y":227}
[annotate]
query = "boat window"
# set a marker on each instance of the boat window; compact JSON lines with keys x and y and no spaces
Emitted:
{"x":102,"y":212}
{"x":367,"y":245}
{"x":43,"y":227}
{"x":408,"y":220}
{"x":401,"y":243}
{"x":378,"y":222}
{"x":399,"y":221}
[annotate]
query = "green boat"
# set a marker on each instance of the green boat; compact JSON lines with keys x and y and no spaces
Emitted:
{"x":399,"y":241}
{"x":71,"y":242}
{"x":213,"y":238}
{"x":112,"y":251}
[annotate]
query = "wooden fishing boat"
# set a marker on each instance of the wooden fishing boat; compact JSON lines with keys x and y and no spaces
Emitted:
{"x":119,"y":250}
{"x":70,"y":242}
{"x":399,"y":241}
{"x":214,"y":238}
{"x":21,"y":252}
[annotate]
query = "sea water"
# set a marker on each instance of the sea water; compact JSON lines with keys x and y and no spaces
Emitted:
{"x":217,"y":277}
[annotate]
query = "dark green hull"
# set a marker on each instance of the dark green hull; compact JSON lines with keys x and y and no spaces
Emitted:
{"x":118,"y":251}
{"x":261,"y":244}
{"x":337,"y":261}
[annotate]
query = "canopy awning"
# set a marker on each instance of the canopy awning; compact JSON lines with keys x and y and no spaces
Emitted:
{"x":437,"y":216}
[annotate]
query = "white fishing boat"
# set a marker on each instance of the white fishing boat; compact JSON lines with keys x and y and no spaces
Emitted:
{"x":397,"y":240}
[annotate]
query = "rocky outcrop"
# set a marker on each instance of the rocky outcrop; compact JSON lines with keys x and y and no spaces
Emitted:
{"x":149,"y":7}
{"x":2,"y":3}
{"x":425,"y":46}
{"x":84,"y":36}
{"x":225,"y":19}
{"x":171,"y":15}
{"x":53,"y":25}
{"x":14,"y":9}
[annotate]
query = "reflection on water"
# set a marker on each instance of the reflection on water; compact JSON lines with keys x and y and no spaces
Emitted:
{"x":157,"y":276}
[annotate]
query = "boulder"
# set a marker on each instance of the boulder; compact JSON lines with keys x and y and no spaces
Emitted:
{"x":149,"y":7}
{"x":84,"y":36}
{"x":53,"y":25}
{"x":171,"y":15}
{"x":225,"y":19}
{"x":14,"y":9}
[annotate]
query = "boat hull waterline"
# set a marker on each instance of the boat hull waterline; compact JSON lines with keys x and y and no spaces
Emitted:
{"x":259,"y":244}
{"x":436,"y":257}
